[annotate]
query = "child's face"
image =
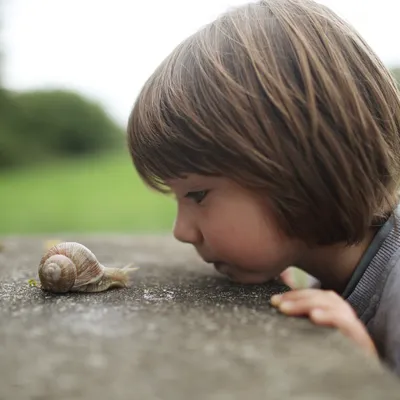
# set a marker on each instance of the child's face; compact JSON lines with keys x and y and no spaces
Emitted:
{"x":232,"y":228}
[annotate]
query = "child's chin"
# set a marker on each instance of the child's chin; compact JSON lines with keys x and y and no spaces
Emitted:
{"x":250,"y":280}
{"x":242,"y":276}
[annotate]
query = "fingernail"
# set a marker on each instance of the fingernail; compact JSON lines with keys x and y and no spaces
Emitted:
{"x":276,"y":299}
{"x":286,"y":306}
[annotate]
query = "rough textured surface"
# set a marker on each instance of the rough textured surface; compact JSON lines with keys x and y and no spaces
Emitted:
{"x":181,"y":333}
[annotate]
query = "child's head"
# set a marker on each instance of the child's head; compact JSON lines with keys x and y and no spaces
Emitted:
{"x":285,"y":101}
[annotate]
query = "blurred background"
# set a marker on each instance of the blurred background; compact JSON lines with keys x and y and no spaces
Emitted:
{"x":70,"y":71}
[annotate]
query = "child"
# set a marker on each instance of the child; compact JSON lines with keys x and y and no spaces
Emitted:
{"x":278,"y":130}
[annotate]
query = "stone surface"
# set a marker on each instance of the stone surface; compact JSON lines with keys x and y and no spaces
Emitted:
{"x":182,"y":332}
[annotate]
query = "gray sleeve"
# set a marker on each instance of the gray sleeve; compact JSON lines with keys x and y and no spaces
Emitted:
{"x":385,"y":325}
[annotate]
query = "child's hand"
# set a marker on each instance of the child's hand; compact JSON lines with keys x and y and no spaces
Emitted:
{"x":325,"y":308}
{"x":298,"y":279}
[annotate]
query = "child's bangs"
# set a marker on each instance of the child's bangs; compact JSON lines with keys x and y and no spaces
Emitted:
{"x":161,"y":155}
{"x":164,"y":138}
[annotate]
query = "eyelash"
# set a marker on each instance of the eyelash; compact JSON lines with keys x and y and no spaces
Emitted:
{"x":193,"y":195}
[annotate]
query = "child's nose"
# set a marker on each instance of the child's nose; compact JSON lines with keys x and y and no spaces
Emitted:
{"x":186,"y":231}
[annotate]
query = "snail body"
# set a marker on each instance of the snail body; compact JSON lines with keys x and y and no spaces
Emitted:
{"x":72,"y":267}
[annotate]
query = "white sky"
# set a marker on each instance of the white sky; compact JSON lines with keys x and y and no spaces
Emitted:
{"x":107,"y":49}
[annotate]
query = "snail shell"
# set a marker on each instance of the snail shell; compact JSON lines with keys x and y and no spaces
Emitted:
{"x":71,"y":266}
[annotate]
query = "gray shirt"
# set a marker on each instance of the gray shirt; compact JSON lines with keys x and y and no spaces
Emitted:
{"x":374,"y":291}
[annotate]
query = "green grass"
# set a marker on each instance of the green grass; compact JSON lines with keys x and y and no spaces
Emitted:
{"x":99,"y":194}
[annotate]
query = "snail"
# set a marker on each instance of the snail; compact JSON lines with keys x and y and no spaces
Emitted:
{"x":72,"y":267}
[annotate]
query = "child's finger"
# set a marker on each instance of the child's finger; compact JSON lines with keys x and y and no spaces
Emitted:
{"x":320,"y":300}
{"x":297,"y":279}
{"x":304,"y":306}
{"x":295,"y":295}
{"x":349,"y":325}
{"x":287,"y":278}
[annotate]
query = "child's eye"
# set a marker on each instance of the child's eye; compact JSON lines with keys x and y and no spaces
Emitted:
{"x":198,"y":196}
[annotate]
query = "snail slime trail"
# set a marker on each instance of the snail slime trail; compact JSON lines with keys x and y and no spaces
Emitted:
{"x":72,"y":267}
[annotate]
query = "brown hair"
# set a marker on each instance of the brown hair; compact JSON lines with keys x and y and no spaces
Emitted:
{"x":285,"y":98}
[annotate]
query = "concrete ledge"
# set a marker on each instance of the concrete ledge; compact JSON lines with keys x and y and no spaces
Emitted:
{"x":182,"y":332}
